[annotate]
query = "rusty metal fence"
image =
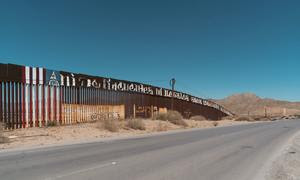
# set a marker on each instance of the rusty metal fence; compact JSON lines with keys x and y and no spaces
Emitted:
{"x":33,"y":97}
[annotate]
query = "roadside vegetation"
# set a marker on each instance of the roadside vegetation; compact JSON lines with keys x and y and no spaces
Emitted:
{"x":243,"y":118}
{"x":106,"y":127}
{"x":109,"y":124}
{"x":3,"y":139}
{"x":173,"y":117}
{"x":215,"y":123}
{"x":136,"y":124}
{"x":161,"y":127}
{"x":51,"y":123}
{"x":199,"y":118}
{"x":256,"y":118}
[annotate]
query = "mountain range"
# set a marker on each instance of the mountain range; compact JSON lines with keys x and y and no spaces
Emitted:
{"x":248,"y":103}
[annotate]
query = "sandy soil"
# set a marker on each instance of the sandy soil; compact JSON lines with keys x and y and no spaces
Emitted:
{"x":287,"y":165}
{"x":34,"y":137}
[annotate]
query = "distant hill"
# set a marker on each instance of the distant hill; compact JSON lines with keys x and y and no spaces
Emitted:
{"x":245,"y":103}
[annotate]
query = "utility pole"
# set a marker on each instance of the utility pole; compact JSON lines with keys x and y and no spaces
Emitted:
{"x":172,"y":83}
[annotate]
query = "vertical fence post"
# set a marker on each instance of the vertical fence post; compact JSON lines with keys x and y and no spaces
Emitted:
{"x":20,"y":106}
{"x":5,"y":104}
{"x":16,"y":105}
{"x":134,"y":110}
{"x":60,"y":104}
{"x":54,"y":104}
{"x":23,"y":104}
{"x":1,"y":102}
{"x":43,"y":105}
{"x":13,"y":105}
{"x":9,"y":104}
{"x":37,"y":105}
{"x":49,"y":104}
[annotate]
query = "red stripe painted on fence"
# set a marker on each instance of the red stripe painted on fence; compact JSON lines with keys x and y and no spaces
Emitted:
{"x":43,"y":105}
{"x":60,"y":105}
{"x":30,"y":99}
{"x":43,"y":99}
{"x":9,"y":105}
{"x":49,"y":104}
{"x":1,"y":103}
{"x":5,"y":103}
{"x":23,"y":104}
{"x":54,"y":104}
{"x":37,"y":99}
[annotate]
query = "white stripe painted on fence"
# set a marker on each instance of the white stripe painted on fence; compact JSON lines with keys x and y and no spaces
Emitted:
{"x":26,"y":104}
{"x":27,"y":69}
{"x":40,"y":105}
{"x":46,"y":105}
{"x":41,"y":75}
{"x":34,"y":75}
{"x":33,"y":104}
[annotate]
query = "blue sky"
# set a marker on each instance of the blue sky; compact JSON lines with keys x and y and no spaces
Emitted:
{"x":213,"y":48}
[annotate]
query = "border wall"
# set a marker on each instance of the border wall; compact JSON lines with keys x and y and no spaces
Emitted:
{"x":33,"y":97}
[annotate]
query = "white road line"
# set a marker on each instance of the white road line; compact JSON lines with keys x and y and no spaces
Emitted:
{"x":82,"y":171}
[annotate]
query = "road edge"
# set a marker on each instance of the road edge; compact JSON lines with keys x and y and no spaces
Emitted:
{"x":276,"y":154}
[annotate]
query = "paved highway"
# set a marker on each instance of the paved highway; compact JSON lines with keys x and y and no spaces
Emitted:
{"x":225,"y":153}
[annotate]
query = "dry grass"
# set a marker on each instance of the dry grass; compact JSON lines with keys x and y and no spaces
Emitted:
{"x":297,"y":116}
{"x":93,"y":131}
{"x":3,"y":139}
{"x":173,"y":117}
{"x":1,"y":133}
{"x":253,"y":118}
{"x":161,"y":116}
{"x":109,"y":124}
{"x":136,"y":124}
{"x":51,"y":123}
{"x":198,"y":118}
{"x":229,"y":118}
{"x":260,"y":118}
{"x":215,"y":123}
{"x":161,"y":127}
{"x":243,"y":118}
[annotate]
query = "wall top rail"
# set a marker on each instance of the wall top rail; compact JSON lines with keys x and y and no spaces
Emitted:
{"x":43,"y":76}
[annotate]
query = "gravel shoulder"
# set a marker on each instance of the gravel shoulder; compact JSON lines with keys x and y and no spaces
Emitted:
{"x":287,"y":164}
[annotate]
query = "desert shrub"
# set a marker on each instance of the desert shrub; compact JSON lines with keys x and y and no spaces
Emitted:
{"x":259,"y":118}
{"x":161,"y":116}
{"x":137,"y":124}
{"x":162,"y":127}
{"x":297,"y":116}
{"x":179,"y":122}
{"x":198,"y":118}
{"x":3,"y":139}
{"x":51,"y":123}
{"x":173,"y":117}
{"x":229,"y":118}
{"x":243,"y":118}
{"x":110,"y":125}
{"x":215,"y":123}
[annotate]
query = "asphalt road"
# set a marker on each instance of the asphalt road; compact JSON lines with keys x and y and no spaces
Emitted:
{"x":225,"y":153}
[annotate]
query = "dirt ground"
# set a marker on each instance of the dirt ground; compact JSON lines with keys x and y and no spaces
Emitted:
{"x":35,"y":137}
{"x":287,"y":165}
